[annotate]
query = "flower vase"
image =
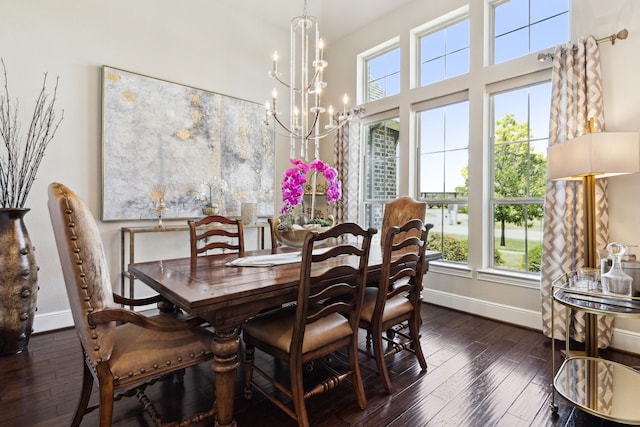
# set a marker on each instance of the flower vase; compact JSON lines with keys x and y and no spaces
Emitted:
{"x":294,"y":235}
{"x":210,"y":210}
{"x":18,"y":282}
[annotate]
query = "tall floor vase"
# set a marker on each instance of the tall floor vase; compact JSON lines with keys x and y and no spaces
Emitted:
{"x":18,"y":282}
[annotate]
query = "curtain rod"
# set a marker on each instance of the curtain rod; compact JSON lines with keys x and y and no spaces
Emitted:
{"x":620,"y":35}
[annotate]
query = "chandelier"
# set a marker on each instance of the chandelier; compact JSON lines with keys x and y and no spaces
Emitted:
{"x":305,"y":88}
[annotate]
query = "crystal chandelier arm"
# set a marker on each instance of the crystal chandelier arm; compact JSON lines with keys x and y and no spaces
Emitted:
{"x":277,"y":78}
{"x":307,"y":89}
{"x":313,"y":125}
{"x":285,"y":127}
{"x":313,"y":82}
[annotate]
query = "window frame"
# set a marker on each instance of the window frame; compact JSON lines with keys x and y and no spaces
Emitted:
{"x":417,"y":109}
{"x":491,"y":33}
{"x":362,"y":60}
{"x":432,"y":27}
{"x":364,"y":200}
{"x":505,"y":86}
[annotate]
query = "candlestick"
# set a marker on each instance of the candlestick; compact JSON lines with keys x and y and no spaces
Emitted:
{"x":274,"y":94}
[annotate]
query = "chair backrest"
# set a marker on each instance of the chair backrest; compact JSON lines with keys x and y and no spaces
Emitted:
{"x":216,"y":232}
{"x":275,"y":243}
{"x":404,"y":263}
{"x":400,"y":211}
{"x":85,"y":269}
{"x":328,"y":284}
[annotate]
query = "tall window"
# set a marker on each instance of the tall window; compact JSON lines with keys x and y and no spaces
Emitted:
{"x":382,"y":75}
{"x":520,"y":139}
{"x":525,"y":26}
{"x":380,"y":168}
{"x":444,"y":53}
{"x":444,"y":160}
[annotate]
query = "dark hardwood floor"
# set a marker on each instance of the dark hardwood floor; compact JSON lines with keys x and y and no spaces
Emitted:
{"x":480,"y":373}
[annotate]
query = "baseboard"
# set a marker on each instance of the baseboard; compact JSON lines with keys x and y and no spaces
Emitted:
{"x":51,"y":321}
{"x":622,"y":339}
{"x":505,"y":313}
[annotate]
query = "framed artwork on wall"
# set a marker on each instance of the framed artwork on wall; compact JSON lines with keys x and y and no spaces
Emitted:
{"x":188,"y":145}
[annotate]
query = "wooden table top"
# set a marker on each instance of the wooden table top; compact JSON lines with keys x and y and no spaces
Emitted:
{"x":210,"y":285}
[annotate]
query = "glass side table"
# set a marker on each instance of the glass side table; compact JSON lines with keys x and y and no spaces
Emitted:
{"x":598,"y":386}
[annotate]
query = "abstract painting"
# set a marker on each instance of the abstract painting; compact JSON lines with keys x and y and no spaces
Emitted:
{"x":160,"y":134}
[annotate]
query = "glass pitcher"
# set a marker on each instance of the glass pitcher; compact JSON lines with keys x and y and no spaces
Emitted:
{"x":616,"y":281}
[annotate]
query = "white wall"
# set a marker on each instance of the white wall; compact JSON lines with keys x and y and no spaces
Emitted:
{"x":207,"y":45}
{"x":508,"y":298}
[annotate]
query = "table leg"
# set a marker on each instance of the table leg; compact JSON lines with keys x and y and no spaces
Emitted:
{"x":591,"y":334}
{"x":225,"y":365}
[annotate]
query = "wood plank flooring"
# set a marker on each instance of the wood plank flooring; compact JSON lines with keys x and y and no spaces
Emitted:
{"x":480,"y":373}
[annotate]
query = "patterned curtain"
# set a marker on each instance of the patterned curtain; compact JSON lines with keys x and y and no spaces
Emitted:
{"x":576,"y":99}
{"x":346,"y":154}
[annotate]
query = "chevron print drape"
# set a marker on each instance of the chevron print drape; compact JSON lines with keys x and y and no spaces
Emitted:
{"x":346,"y":154}
{"x":576,"y":98}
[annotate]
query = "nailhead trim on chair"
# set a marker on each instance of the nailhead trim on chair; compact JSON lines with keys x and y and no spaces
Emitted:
{"x":82,"y":274}
{"x":87,"y":298}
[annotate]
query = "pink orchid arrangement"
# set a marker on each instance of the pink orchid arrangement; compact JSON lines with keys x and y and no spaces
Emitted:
{"x":295,"y":178}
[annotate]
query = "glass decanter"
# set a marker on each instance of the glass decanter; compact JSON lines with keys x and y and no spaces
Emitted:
{"x":616,"y":281}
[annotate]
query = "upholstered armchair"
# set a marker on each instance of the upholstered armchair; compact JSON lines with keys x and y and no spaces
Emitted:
{"x":122,"y":349}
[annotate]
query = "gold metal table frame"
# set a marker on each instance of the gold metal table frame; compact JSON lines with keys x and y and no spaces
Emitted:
{"x":601,"y":387}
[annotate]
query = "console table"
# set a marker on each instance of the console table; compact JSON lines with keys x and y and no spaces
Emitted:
{"x":130,"y":233}
{"x":598,"y":386}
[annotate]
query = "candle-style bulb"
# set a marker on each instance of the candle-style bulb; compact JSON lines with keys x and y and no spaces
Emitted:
{"x":275,"y":64}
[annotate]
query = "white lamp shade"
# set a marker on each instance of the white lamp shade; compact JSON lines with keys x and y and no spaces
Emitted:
{"x":600,"y":153}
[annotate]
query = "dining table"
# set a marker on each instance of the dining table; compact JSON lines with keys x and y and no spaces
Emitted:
{"x":226,"y":291}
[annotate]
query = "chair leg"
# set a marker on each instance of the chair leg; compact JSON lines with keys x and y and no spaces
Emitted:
{"x":106,"y":399}
{"x":414,"y":333}
{"x":179,"y":376}
{"x":85,"y":395}
{"x":378,"y":351}
{"x":297,"y":394}
{"x":249,"y":355}
{"x":356,"y":376}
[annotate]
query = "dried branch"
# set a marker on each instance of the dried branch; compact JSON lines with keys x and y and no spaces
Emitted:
{"x":19,"y":166}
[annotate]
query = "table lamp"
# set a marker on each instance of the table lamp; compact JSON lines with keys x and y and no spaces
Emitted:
{"x":587,"y":158}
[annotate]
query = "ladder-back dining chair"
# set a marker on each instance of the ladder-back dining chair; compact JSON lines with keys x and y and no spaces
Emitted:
{"x":122,"y":349}
{"x":216,"y":233}
{"x":324,"y":319}
{"x":400,"y":211}
{"x":395,"y":304}
{"x":275,"y":243}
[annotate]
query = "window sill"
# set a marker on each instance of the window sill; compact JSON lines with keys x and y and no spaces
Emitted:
{"x":513,"y":278}
{"x":504,"y":277}
{"x":452,"y":269}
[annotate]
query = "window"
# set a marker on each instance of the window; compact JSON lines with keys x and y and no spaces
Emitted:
{"x":482,"y":184}
{"x":444,"y":53}
{"x":382,"y":75}
{"x":525,"y":26}
{"x":380,"y":168}
{"x":444,"y":159}
{"x":520,"y":139}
